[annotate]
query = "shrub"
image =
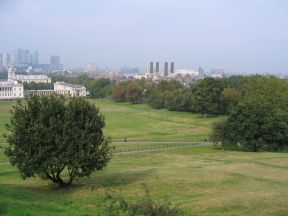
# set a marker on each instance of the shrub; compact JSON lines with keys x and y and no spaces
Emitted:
{"x":117,"y":205}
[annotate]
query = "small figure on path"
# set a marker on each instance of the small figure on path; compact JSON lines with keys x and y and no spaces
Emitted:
{"x":125,"y":139}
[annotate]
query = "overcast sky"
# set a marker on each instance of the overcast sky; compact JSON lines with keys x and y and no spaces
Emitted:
{"x":238,"y":35}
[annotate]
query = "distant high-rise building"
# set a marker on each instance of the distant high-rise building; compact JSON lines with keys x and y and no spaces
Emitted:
{"x":166,"y":70}
{"x":92,"y":67}
{"x":17,"y":56}
{"x":55,"y":60}
{"x":201,"y":72}
{"x":26,"y":56}
{"x":34,"y":58}
{"x":6,"y":60}
{"x":21,"y":56}
{"x":157,"y":67}
{"x":172,"y":67}
{"x":1,"y":60}
{"x":151,"y":69}
{"x":55,"y":63}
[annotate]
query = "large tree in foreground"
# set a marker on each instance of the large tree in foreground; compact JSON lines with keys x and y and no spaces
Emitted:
{"x":57,"y":138}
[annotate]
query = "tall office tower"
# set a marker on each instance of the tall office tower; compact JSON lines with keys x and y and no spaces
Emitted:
{"x":6,"y":59}
{"x":55,"y":63}
{"x":17,"y":56}
{"x":172,"y":67}
{"x":157,"y":67}
{"x":92,"y":67}
{"x":151,"y":69}
{"x":54,"y":60}
{"x":166,"y":69}
{"x":21,"y":56}
{"x":34,"y":58}
{"x":201,"y":72}
{"x":1,"y":60}
{"x":26,"y":57}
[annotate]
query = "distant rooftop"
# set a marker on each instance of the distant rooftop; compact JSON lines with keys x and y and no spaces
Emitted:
{"x":70,"y":85}
{"x":31,"y":77}
{"x":5,"y":83}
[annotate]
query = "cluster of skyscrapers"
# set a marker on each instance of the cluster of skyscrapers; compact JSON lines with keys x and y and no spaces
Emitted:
{"x":23,"y":58}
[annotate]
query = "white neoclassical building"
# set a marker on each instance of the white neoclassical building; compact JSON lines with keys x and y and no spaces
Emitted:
{"x":74,"y":90}
{"x":26,"y":78}
{"x":62,"y":88}
{"x":9,"y":91}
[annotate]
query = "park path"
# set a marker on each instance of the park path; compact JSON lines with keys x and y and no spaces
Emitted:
{"x":159,"y":146}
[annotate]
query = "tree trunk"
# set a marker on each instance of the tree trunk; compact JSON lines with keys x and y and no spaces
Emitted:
{"x":255,"y":147}
{"x":59,"y":181}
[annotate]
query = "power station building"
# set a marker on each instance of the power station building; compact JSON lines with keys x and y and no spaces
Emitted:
{"x":184,"y":76}
{"x":156,"y":70}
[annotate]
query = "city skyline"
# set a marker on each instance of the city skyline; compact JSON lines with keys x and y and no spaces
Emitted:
{"x":239,"y":36}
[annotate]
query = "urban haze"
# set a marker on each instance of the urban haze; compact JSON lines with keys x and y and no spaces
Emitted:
{"x":243,"y":37}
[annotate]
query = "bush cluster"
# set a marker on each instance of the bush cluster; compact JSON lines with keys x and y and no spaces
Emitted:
{"x":117,"y":205}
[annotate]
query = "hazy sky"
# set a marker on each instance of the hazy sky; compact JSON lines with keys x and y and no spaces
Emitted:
{"x":238,"y":35}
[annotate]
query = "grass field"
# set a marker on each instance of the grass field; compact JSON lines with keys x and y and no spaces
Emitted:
{"x":203,"y":181}
{"x":140,"y":122}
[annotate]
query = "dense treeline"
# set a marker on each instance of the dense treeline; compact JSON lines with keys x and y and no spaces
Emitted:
{"x":207,"y":96}
{"x":259,"y":121}
{"x":256,"y":106}
{"x":38,"y":86}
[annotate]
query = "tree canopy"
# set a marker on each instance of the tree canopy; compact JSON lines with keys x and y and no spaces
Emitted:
{"x":260,"y":120}
{"x":57,"y":138}
{"x":207,"y":96}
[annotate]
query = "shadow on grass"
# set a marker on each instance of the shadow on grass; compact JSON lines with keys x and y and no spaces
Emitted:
{"x":98,"y":180}
{"x":30,"y":199}
{"x":115,"y":179}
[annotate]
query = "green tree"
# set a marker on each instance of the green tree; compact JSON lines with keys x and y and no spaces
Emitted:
{"x":57,"y":138}
{"x":134,"y":92}
{"x":38,"y":86}
{"x":260,"y":120}
{"x":231,"y":97}
{"x":119,"y":93}
{"x":179,"y":100}
{"x":207,"y":96}
{"x":96,"y":87}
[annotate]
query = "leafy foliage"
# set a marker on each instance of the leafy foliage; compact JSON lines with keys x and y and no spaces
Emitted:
{"x":260,"y":120}
{"x":134,"y":92}
{"x":51,"y":135}
{"x":117,"y":205}
{"x":207,"y":96}
{"x":37,"y":86}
